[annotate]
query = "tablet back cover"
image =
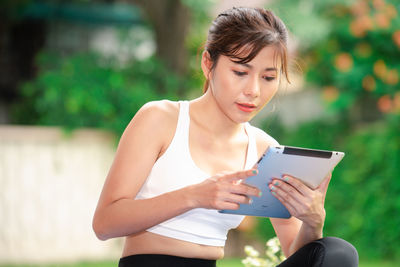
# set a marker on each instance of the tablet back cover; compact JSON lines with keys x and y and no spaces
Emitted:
{"x":309,"y":165}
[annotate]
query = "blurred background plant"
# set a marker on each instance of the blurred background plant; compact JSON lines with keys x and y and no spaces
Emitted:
{"x":273,"y":255}
{"x":356,"y":68}
{"x":93,"y":87}
{"x":349,"y":52}
{"x":83,"y":91}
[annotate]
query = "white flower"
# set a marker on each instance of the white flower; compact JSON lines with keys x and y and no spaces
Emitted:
{"x":252,"y":262}
{"x":273,"y":242}
{"x":250,"y":251}
{"x":273,"y":254}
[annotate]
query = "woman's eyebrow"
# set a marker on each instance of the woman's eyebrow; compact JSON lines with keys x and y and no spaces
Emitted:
{"x":250,"y":66}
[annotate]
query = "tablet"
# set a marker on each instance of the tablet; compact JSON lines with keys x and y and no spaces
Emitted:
{"x":309,"y":165}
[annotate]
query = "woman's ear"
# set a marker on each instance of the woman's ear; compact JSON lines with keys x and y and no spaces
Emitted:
{"x":206,"y":64}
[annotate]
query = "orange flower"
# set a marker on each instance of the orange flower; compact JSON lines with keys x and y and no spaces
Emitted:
{"x":359,"y":8}
{"x":396,"y":38}
{"x":379,"y":4}
{"x":356,"y":29}
{"x":330,"y":93}
{"x":360,"y":25}
{"x":390,"y":11}
{"x":344,"y":62}
{"x":396,"y":101}
{"x":380,"y":69}
{"x":366,"y":22}
{"x":392,"y":77}
{"x":382,"y":21}
{"x":369,"y":83}
{"x":385,"y":104}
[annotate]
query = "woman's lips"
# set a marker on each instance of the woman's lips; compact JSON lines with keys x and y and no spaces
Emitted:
{"x":246,"y":107}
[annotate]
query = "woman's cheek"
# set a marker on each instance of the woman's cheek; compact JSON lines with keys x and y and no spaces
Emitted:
{"x":268,"y":93}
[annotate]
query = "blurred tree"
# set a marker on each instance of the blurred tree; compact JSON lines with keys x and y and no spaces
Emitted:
{"x":171,"y":21}
{"x":356,"y":66}
{"x":351,"y":53}
{"x":16,"y":54}
{"x":85,"y":89}
{"x":24,"y":31}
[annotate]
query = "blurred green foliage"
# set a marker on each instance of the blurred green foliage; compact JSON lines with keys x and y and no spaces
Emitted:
{"x":351,"y":52}
{"x":364,"y":201}
{"x":86,"y":90}
{"x":363,"y":198}
{"x":356,"y":66}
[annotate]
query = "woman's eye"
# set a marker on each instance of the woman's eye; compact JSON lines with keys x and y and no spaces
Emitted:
{"x":269,"y":78}
{"x":239,"y":73}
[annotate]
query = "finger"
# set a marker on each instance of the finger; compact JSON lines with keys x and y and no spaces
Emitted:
{"x":296,"y":183}
{"x":228,"y":206}
{"x":237,"y":182}
{"x":323,"y":187}
{"x":236,"y":198}
{"x":245,"y":189}
{"x":221,"y":175}
{"x":240,"y":199}
{"x":287,"y":204}
{"x":240,"y":175}
{"x":286,"y":190}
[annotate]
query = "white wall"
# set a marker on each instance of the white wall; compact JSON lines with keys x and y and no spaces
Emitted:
{"x":49,"y":187}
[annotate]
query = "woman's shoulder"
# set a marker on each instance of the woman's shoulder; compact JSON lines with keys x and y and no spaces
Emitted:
{"x":155,"y":116}
{"x":155,"y":121}
{"x":263,"y":139}
{"x":160,"y":108}
{"x":160,"y":114}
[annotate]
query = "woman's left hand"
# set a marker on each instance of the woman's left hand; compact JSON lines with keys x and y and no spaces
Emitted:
{"x":302,"y":202}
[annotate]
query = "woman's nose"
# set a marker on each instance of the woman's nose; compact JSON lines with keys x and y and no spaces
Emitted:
{"x":253,"y":88}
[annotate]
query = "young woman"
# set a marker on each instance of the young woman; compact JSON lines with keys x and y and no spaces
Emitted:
{"x":178,"y":163}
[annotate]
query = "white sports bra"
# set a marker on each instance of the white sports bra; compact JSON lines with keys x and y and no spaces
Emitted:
{"x":175,"y":169}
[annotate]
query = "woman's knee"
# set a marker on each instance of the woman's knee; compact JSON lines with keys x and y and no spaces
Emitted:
{"x":338,"y":252}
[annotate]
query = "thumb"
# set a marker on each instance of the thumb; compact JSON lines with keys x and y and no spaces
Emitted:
{"x":323,"y":187}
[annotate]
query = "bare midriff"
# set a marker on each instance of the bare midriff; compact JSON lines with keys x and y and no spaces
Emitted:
{"x":149,"y":243}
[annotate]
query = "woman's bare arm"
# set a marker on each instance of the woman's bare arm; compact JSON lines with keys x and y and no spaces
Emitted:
{"x":293,"y":233}
{"x":119,"y":214}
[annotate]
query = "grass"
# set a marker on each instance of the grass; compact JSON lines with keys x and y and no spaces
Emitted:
{"x":220,"y":263}
{"x":237,"y":263}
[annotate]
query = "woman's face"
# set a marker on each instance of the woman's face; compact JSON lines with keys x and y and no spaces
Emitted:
{"x":242,"y":90}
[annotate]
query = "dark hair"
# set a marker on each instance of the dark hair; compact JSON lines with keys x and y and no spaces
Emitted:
{"x":240,"y":33}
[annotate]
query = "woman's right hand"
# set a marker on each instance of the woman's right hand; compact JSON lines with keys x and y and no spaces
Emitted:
{"x":225,"y":190}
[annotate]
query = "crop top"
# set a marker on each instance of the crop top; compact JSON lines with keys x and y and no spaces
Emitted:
{"x":175,"y":169}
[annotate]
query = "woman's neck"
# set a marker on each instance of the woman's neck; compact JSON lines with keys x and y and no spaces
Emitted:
{"x":206,"y":112}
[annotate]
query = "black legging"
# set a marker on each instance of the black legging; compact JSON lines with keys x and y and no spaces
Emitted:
{"x":325,"y":252}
